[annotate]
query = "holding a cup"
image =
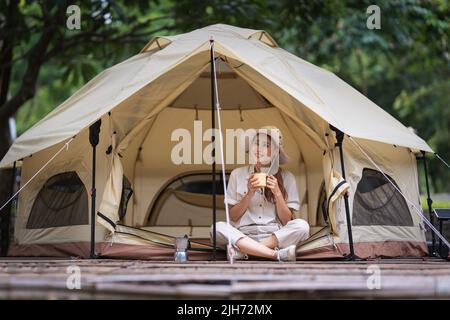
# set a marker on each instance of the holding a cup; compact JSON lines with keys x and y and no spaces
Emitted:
{"x":261,"y":179}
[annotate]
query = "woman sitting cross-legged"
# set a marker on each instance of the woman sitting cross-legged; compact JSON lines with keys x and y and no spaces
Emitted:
{"x":262,"y":220}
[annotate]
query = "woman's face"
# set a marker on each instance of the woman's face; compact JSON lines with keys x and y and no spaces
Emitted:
{"x":262,"y":149}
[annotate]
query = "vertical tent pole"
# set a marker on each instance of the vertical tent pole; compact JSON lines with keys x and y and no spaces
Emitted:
{"x":7,"y":217}
{"x":440,"y":240}
{"x":340,"y":139}
{"x":213,"y":138}
{"x":430,"y":203}
{"x":94,"y":132}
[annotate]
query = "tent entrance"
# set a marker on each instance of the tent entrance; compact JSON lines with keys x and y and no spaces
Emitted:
{"x":152,"y":169}
{"x":164,"y":197}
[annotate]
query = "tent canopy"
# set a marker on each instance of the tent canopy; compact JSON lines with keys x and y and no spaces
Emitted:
{"x":252,"y":59}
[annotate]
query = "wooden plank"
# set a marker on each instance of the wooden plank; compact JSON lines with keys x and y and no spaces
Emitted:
{"x":145,"y":279}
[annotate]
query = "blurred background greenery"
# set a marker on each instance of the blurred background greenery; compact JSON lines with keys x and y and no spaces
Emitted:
{"x":404,"y":67}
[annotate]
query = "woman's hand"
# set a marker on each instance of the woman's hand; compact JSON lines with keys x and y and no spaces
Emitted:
{"x":252,"y":184}
{"x":272,"y":184}
{"x":239,"y":209}
{"x":283,"y":211}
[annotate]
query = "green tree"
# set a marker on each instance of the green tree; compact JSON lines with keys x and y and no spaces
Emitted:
{"x":37,"y":49}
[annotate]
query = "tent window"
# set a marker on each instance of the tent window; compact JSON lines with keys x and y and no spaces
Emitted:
{"x":377,"y":202}
{"x":62,"y":201}
{"x":127,"y":192}
{"x":202,"y":186}
{"x":190,"y":194}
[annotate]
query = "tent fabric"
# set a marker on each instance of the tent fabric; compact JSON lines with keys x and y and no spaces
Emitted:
{"x":199,"y":200}
{"x":108,"y":213}
{"x":316,"y":89}
{"x":145,"y":236}
{"x":125,"y":248}
{"x":400,"y":165}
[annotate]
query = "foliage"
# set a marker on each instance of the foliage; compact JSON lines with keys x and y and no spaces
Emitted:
{"x":404,"y":67}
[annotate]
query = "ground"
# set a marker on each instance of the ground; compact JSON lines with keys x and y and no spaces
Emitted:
{"x":122,"y":279}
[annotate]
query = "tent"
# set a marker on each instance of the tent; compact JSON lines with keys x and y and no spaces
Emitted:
{"x":144,"y":199}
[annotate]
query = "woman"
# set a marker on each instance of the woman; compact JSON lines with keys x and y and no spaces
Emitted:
{"x":262,"y":219}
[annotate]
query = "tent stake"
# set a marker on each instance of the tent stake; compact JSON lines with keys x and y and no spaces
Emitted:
{"x":340,"y":139}
{"x":94,"y":131}
{"x":213,"y":138}
{"x":430,"y":204}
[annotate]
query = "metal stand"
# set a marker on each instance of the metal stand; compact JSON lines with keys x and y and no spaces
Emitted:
{"x":430,"y":205}
{"x":442,"y":215}
{"x":94,"y":132}
{"x":340,"y":139}
{"x":213,"y":138}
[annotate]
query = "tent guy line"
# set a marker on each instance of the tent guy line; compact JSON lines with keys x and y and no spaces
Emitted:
{"x":442,"y":160}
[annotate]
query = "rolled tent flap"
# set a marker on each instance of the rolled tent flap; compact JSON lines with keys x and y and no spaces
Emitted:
{"x":108,"y":212}
{"x":337,"y":188}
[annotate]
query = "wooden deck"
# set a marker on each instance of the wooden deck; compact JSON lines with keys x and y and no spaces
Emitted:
{"x":122,"y":279}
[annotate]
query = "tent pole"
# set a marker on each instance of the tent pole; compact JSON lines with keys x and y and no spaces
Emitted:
{"x":430,"y":203}
{"x":213,"y":138}
{"x":7,"y":217}
{"x":94,"y":132}
{"x":340,"y":139}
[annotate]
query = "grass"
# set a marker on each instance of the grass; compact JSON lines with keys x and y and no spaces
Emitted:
{"x":436,"y":203}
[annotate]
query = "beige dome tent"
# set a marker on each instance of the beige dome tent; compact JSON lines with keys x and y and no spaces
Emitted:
{"x":144,"y":199}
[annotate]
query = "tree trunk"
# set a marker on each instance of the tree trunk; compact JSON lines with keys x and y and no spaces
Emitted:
{"x":6,"y":54}
{"x":5,"y":190}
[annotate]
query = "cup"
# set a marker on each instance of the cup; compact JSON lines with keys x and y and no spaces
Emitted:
{"x":262,"y":179}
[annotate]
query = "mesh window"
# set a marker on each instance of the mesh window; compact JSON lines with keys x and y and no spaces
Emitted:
{"x":62,"y":201}
{"x":377,"y":202}
{"x":190,"y":195}
{"x":127,"y":192}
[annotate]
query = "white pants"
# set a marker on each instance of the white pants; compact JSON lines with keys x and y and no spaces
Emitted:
{"x":293,"y":232}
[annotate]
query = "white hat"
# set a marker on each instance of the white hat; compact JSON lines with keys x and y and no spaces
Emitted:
{"x":273,"y":132}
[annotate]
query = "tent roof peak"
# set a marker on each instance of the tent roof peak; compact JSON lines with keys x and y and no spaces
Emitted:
{"x":160,"y":42}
